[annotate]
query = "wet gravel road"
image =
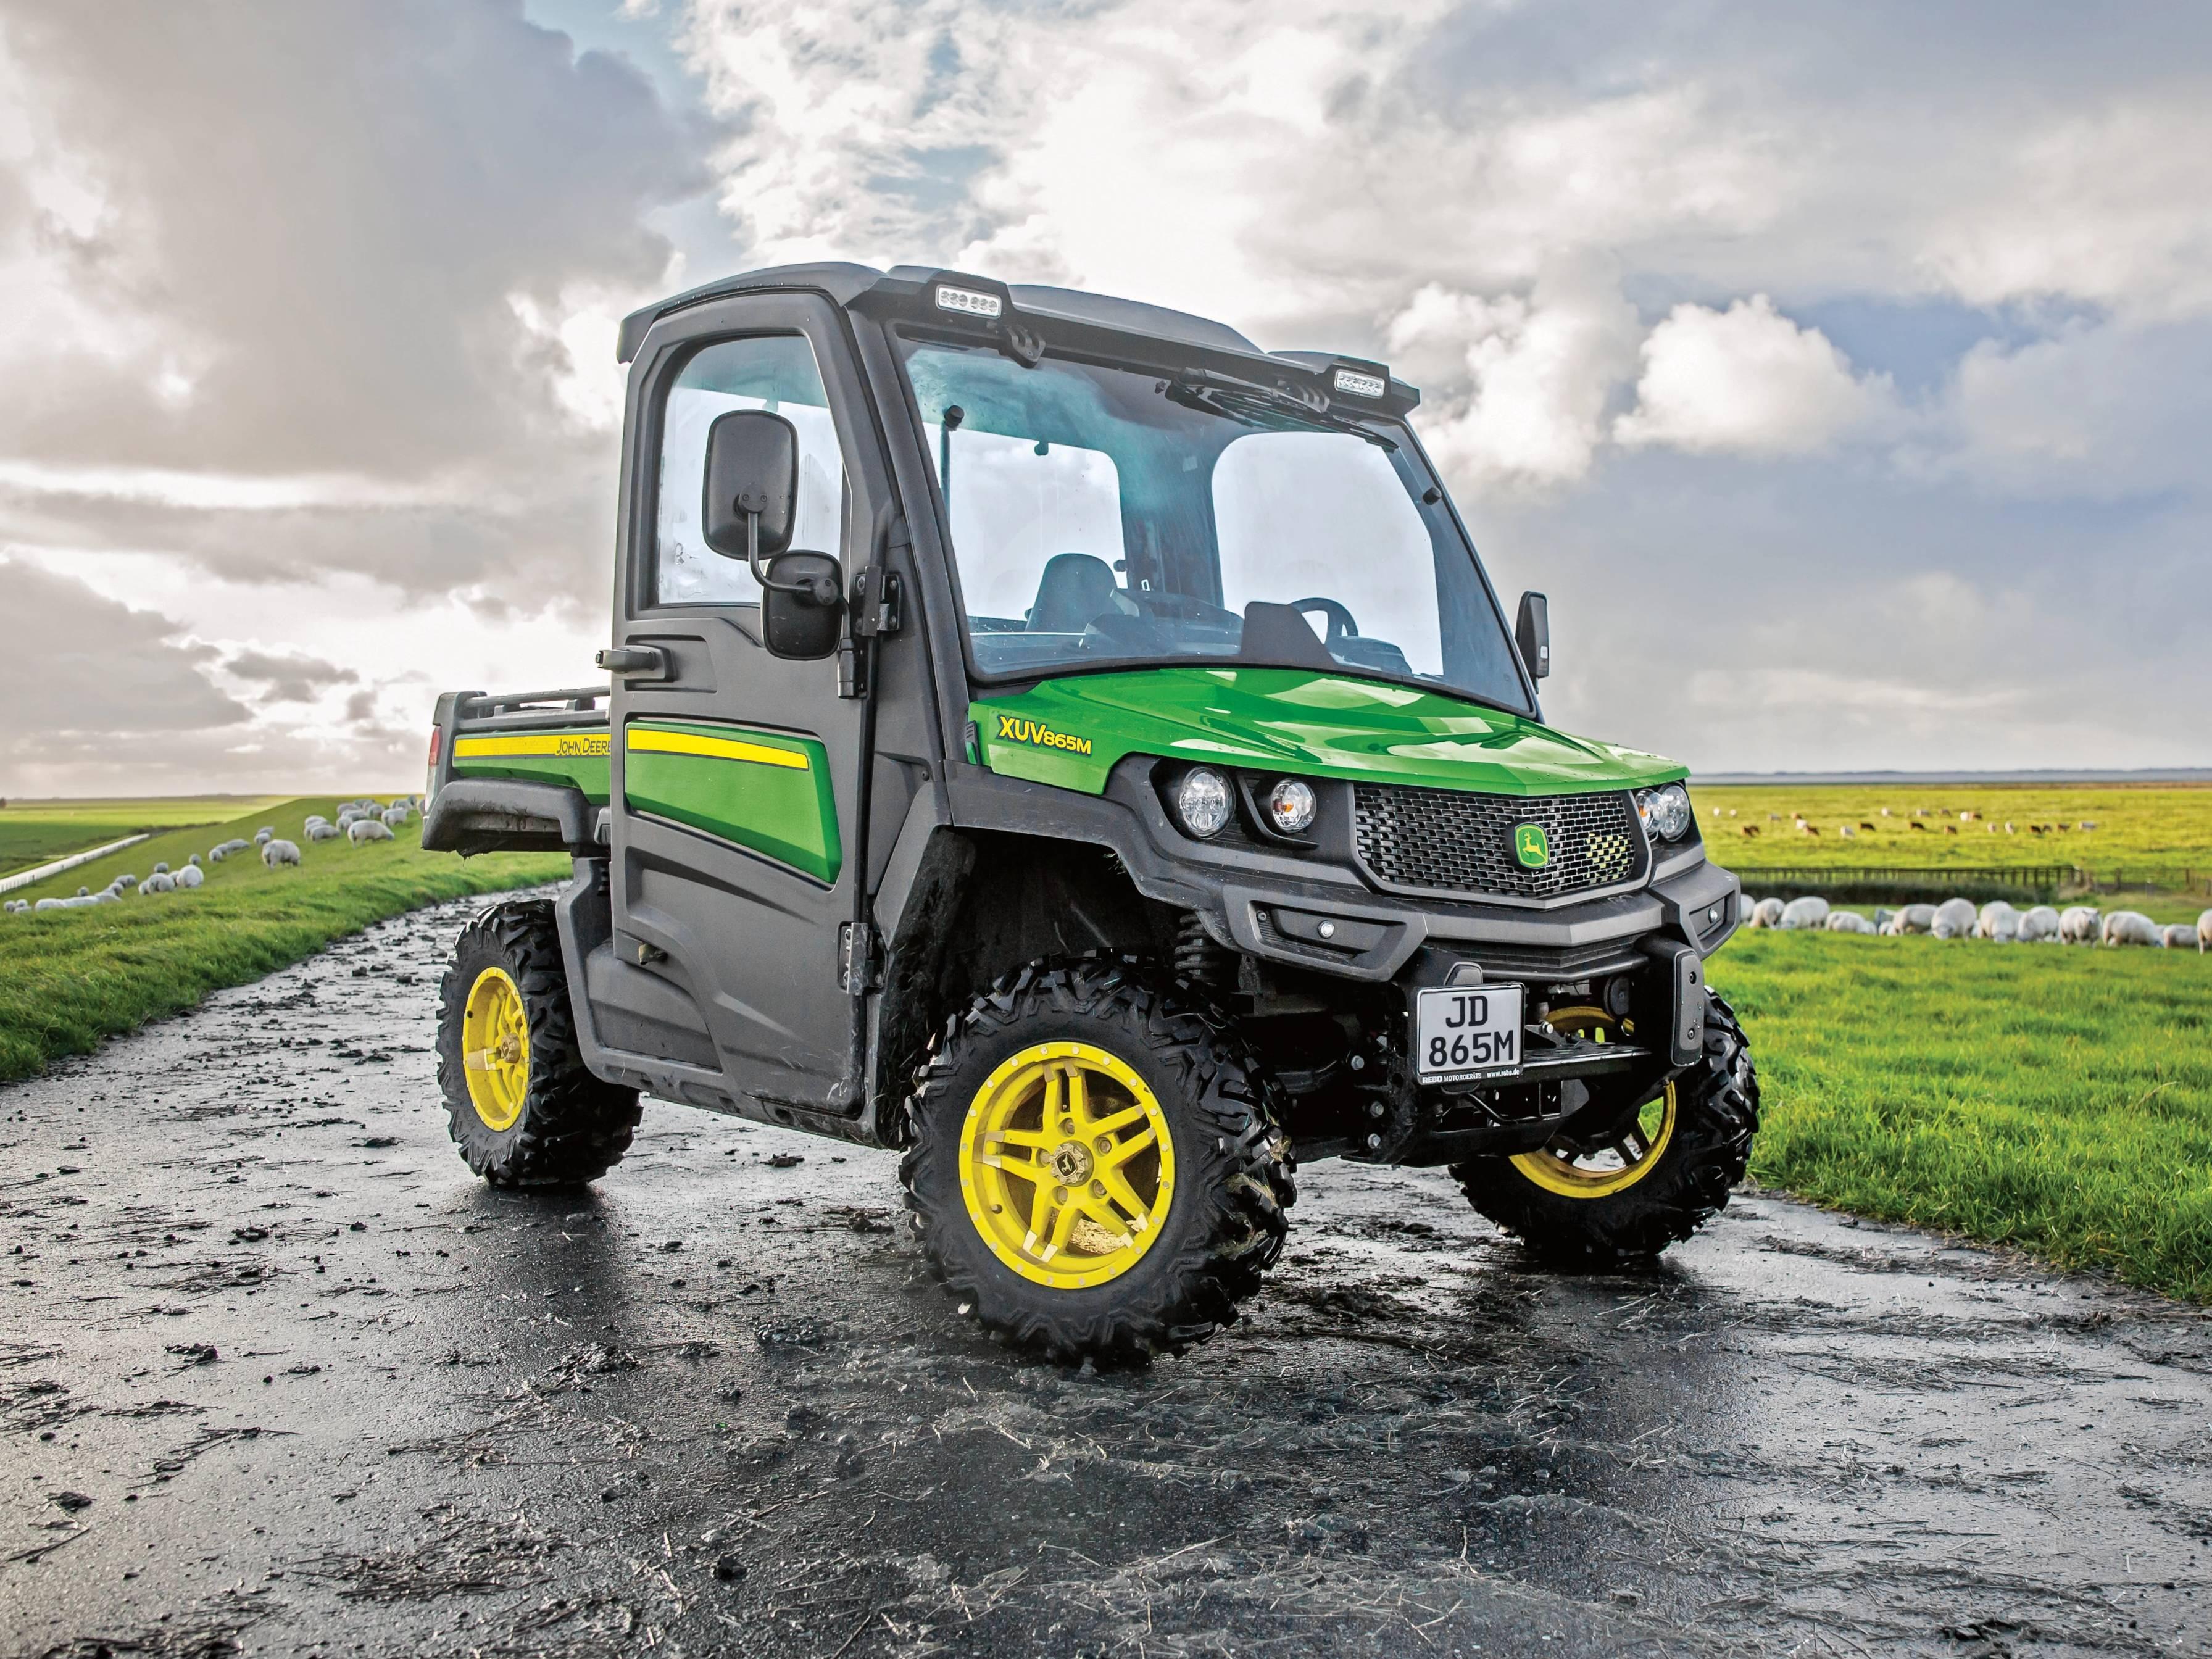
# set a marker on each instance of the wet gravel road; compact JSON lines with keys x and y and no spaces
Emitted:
{"x":277,"y":1377}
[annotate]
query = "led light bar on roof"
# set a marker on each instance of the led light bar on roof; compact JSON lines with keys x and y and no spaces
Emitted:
{"x":967,"y":302}
{"x":1354,"y":383}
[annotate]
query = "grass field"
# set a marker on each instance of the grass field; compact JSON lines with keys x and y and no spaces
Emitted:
{"x":2056,"y":1099}
{"x":33,"y":832}
{"x":68,"y":978}
{"x":2159,"y":831}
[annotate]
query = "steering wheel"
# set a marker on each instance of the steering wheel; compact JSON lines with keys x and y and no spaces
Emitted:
{"x":1341,"y":622}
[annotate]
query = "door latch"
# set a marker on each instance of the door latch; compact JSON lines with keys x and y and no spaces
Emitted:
{"x":859,"y":951}
{"x":634,"y":661}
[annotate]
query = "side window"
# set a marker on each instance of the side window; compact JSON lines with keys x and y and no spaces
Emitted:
{"x":775,"y":372}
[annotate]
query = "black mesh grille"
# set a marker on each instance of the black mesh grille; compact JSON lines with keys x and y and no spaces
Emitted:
{"x":1443,"y":841}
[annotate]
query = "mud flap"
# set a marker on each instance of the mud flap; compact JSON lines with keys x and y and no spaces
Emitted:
{"x":1673,"y":991}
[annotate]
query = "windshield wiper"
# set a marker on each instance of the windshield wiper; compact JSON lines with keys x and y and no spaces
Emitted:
{"x":1267,"y":408}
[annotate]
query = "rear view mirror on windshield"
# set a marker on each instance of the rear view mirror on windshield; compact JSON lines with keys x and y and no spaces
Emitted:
{"x":1532,"y":632}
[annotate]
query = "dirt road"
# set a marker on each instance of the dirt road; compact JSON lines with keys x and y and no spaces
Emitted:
{"x":277,"y":1377}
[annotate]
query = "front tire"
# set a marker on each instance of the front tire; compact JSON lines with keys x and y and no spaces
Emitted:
{"x":519,"y":1102}
{"x":1094,"y":1170}
{"x":1670,"y":1172}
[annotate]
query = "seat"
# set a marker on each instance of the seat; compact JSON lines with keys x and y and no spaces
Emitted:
{"x":1074,"y":588}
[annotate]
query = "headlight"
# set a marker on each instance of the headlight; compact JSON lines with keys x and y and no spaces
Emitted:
{"x":1290,"y":806}
{"x":1665,"y":810}
{"x":1202,"y":801}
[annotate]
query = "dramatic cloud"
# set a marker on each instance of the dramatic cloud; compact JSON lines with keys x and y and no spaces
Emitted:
{"x":1745,"y":380}
{"x":290,"y":677}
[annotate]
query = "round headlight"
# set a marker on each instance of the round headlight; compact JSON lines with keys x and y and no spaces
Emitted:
{"x":1290,"y":806}
{"x":1201,"y":801}
{"x":1666,"y":810}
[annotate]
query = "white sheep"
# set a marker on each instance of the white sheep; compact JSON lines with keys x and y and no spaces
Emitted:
{"x":159,"y":882}
{"x":2204,"y":932}
{"x":275,"y":852}
{"x":395,"y":817}
{"x":2133,"y":927}
{"x":2179,"y":936}
{"x":2080,"y":924}
{"x":323,"y":832}
{"x":1916,"y":919}
{"x":194,"y":859}
{"x":1998,"y":921}
{"x":362,"y":830}
{"x":161,"y":869}
{"x":107,"y":896}
{"x":1809,"y":912}
{"x":1956,"y":918}
{"x":191,"y":875}
{"x":126,"y":879}
{"x":2039,"y":926}
{"x":1768,"y":911}
{"x":50,"y":904}
{"x":1849,"y":921}
{"x":264,"y":835}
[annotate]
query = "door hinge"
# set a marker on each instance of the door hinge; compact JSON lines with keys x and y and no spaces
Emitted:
{"x":859,"y":958}
{"x":878,"y":603}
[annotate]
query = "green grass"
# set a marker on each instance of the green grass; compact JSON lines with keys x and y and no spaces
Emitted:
{"x":68,"y":978}
{"x":2164,"y":829}
{"x":2055,"y":1098}
{"x":33,"y":832}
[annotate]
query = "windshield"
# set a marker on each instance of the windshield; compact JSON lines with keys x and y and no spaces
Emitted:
{"x":1101,"y":516}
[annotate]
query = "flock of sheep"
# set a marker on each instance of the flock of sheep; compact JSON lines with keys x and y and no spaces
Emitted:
{"x":359,"y":821}
{"x":1956,"y":918}
{"x":1804,"y":826}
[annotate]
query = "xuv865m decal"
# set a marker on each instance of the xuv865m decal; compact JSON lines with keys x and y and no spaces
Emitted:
{"x":767,"y":792}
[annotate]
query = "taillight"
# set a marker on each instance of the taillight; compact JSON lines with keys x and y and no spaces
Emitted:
{"x":436,"y":734}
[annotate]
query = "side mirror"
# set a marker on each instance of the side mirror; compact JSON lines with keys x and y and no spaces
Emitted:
{"x":802,"y":604}
{"x":1532,"y":632}
{"x":752,"y":485}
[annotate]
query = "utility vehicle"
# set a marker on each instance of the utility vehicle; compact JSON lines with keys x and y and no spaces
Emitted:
{"x":1052,"y":737}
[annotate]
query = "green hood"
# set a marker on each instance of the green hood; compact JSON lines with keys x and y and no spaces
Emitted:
{"x":1069,"y":732}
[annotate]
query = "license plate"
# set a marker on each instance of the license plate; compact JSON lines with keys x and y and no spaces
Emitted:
{"x":1463,"y":1034}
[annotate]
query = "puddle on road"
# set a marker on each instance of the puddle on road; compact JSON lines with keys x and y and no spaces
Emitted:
{"x":314,"y":1380}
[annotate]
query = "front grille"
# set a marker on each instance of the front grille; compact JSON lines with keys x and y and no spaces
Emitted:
{"x":1441,"y":841}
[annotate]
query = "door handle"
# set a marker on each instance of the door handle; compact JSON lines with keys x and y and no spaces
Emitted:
{"x":634,"y":661}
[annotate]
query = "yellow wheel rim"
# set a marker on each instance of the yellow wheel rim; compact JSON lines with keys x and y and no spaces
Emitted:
{"x":1574,"y":1173}
{"x":496,"y":1049}
{"x":1066,"y":1165}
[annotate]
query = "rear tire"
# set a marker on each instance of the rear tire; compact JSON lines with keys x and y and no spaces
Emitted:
{"x":1211,"y":1203}
{"x":519,"y":1102}
{"x":1703,"y":1154}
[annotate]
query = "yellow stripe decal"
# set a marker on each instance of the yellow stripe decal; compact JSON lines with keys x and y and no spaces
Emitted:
{"x":687,"y":743}
{"x":589,"y":744}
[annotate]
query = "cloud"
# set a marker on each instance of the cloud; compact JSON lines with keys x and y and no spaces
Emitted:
{"x":290,"y":676}
{"x":1747,"y":380}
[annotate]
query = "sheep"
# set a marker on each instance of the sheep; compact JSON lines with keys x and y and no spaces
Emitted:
{"x":194,"y":859}
{"x":1864,"y":825}
{"x":2080,"y":924}
{"x":1847,"y":831}
{"x":50,"y":904}
{"x":1997,"y":920}
{"x":362,"y":830}
{"x":2204,"y":932}
{"x":1913,"y":918}
{"x":394,"y":817}
{"x":1800,"y":912}
{"x":1768,"y":911}
{"x":275,"y":852}
{"x":323,"y":832}
{"x":189,"y":877}
{"x":1956,"y":918}
{"x":159,"y":883}
{"x":2133,"y":927}
{"x":2179,"y":936}
{"x":264,"y":835}
{"x":161,"y":869}
{"x":2039,"y":926}
{"x":1849,"y":921}
{"x":107,"y":896}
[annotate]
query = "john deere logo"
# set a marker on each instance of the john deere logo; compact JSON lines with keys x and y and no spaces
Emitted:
{"x":1531,"y":845}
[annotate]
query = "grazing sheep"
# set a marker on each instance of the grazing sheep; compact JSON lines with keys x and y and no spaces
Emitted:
{"x":394,"y":817}
{"x":275,"y":852}
{"x":2080,"y":925}
{"x":1864,"y":825}
{"x":1799,"y":913}
{"x":50,"y":904}
{"x":264,"y":835}
{"x":2204,"y":932}
{"x":107,"y":896}
{"x":1995,"y":918}
{"x":2039,"y":926}
{"x":194,"y":859}
{"x":2133,"y":927}
{"x":126,"y":879}
{"x":1920,"y":829}
{"x":159,"y":883}
{"x":362,"y":830}
{"x":2179,"y":936}
{"x":323,"y":832}
{"x":1847,"y":831}
{"x":191,"y":875}
{"x":1956,"y":918}
{"x":1768,"y":911}
{"x":1849,"y":921}
{"x":161,"y":869}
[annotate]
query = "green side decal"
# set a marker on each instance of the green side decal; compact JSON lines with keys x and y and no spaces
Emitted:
{"x":767,"y":792}
{"x":577,"y":757}
{"x":1531,"y":845}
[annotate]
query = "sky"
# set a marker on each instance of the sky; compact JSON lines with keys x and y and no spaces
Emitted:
{"x":1843,"y":373}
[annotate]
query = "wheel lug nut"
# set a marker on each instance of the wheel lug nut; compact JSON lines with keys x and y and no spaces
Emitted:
{"x":1103,"y":1144}
{"x":1060,"y":1194}
{"x":1067,"y":1126}
{"x":1097,"y":1189}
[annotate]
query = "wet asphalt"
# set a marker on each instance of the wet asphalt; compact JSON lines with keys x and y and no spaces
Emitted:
{"x":278,"y":1376}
